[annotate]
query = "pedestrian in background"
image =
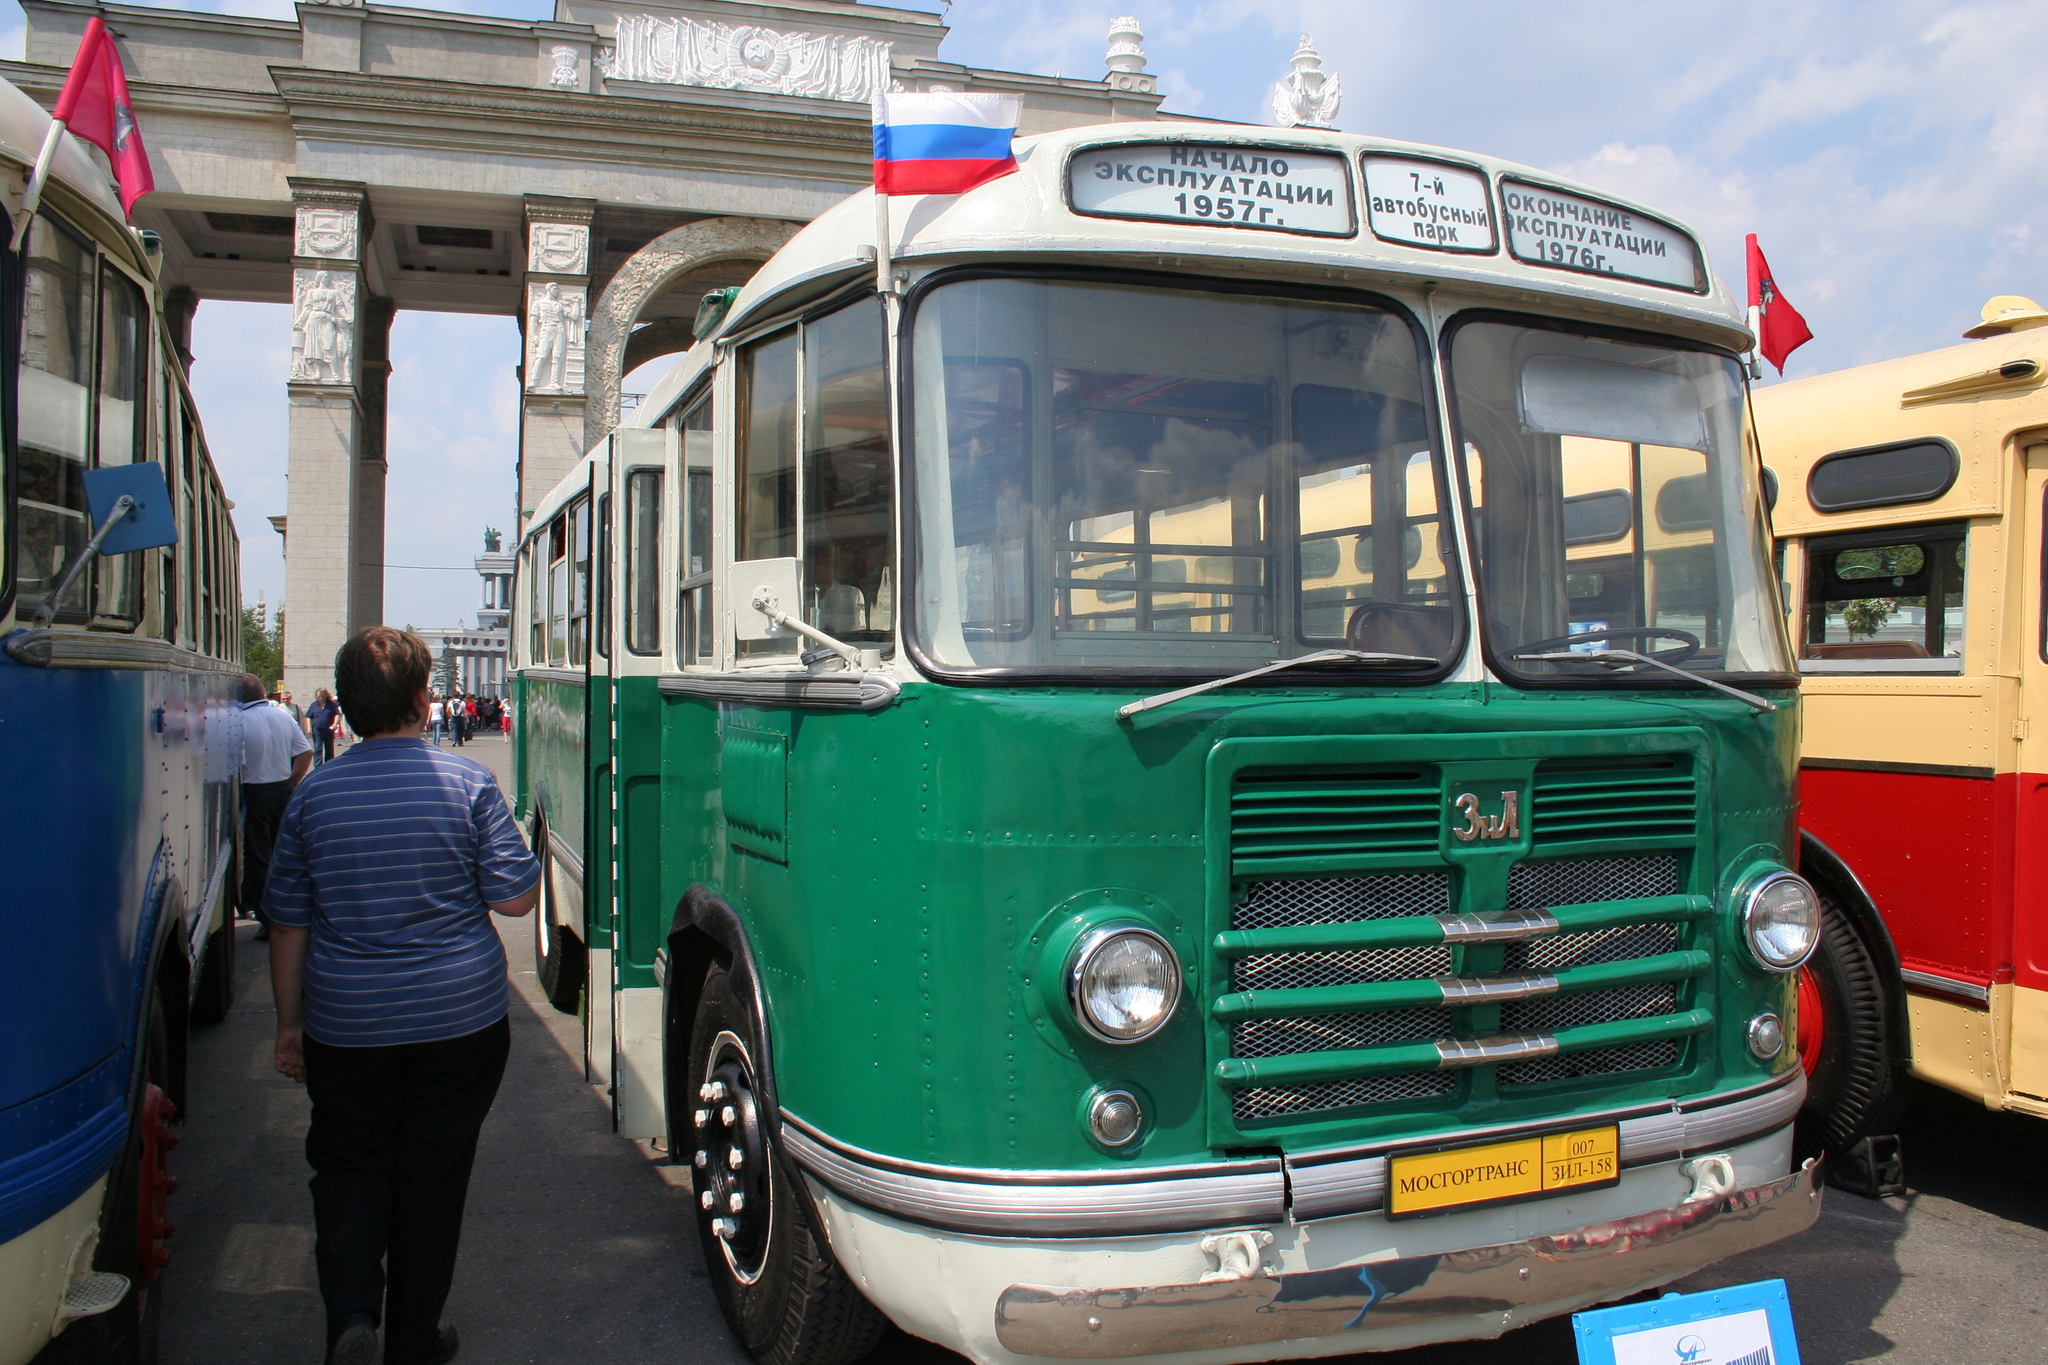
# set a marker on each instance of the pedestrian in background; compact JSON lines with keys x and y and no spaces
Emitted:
{"x":275,"y":755}
{"x":437,"y":716}
{"x":455,"y":727}
{"x":320,"y":718}
{"x":297,"y":713}
{"x":391,"y":998}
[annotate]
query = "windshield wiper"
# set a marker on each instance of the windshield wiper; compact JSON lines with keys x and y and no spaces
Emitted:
{"x":1321,"y":656}
{"x":1617,"y":658}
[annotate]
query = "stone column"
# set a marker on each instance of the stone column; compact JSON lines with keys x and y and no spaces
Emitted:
{"x":557,"y":307}
{"x":323,"y":503}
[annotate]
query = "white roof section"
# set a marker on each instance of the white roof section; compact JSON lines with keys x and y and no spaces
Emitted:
{"x":1028,"y":214}
{"x":23,"y":126}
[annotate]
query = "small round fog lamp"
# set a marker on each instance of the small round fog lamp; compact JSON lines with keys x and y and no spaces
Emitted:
{"x":1781,"y":921}
{"x":1123,"y":983}
{"x":1115,"y":1118}
{"x":1766,"y":1035}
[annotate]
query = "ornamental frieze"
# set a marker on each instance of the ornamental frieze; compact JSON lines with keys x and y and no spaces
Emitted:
{"x":718,"y":56}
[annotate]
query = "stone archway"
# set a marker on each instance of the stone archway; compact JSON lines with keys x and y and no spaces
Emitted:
{"x":645,"y":276}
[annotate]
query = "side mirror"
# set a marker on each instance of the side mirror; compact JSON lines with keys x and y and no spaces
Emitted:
{"x":151,"y":522}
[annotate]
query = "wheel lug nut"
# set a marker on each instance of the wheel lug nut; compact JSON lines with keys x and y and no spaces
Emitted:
{"x":735,"y":1201}
{"x":727,"y":1117}
{"x":711,"y":1091}
{"x":735,"y":1158}
{"x":702,"y":1118}
{"x":723,"y":1227}
{"x":702,"y":1159}
{"x":706,"y":1200}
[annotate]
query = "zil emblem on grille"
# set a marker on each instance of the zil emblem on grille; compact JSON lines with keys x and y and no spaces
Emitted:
{"x":1506,"y":825}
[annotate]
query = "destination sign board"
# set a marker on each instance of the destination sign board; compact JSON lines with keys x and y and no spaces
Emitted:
{"x":1571,"y":232}
{"x":1432,"y":204}
{"x":1279,"y":189}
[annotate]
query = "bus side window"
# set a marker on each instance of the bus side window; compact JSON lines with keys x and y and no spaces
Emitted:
{"x":1886,"y":601}
{"x":123,"y":364}
{"x":53,"y":419}
{"x":536,"y":601}
{"x":601,"y":585}
{"x":767,"y":466}
{"x":579,"y":583}
{"x":693,"y":597}
{"x":847,"y":486}
{"x":558,"y":591}
{"x":642,"y":553}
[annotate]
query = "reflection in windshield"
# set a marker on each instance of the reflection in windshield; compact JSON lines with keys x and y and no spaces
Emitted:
{"x":1610,"y":506}
{"x":1124,"y":477}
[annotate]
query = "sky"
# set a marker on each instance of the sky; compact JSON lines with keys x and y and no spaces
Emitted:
{"x":1890,"y":157}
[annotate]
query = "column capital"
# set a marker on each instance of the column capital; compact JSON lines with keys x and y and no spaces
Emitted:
{"x":550,"y":208}
{"x":332,"y":218}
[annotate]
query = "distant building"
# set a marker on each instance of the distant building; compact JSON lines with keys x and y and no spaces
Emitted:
{"x":479,"y":653}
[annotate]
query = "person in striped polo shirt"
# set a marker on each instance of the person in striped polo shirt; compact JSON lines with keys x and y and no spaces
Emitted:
{"x":392,"y":997}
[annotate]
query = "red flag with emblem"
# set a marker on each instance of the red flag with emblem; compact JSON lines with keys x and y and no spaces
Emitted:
{"x":1779,"y":329}
{"x":95,"y":106}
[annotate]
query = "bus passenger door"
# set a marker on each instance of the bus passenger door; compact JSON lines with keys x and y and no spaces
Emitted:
{"x":597,"y":784}
{"x":644,"y":502}
{"x":2027,"y":1066}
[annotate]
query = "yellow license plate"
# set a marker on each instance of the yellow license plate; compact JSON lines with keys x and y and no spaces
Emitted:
{"x":1502,"y":1172}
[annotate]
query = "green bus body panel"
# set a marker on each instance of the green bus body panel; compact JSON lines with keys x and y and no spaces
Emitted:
{"x":552,"y":762}
{"x":906,"y":874}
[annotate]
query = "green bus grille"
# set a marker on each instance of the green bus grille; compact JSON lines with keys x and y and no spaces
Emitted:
{"x":1279,"y":816}
{"x":1650,"y":799}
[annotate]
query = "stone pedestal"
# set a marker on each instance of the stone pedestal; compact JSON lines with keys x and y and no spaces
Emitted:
{"x":335,"y":505}
{"x":555,"y":313}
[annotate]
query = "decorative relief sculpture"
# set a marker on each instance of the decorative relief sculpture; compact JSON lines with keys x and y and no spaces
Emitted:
{"x":323,"y":326}
{"x":564,"y":76}
{"x":747,"y":57}
{"x":327,"y":232}
{"x":1308,"y":97}
{"x":1126,"y":58}
{"x":554,"y":339}
{"x":558,"y":248}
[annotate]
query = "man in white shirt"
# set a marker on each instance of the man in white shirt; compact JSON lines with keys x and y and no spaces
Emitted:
{"x":275,"y":755}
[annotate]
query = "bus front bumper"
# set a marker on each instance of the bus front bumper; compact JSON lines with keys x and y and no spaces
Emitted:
{"x":1503,"y":1283}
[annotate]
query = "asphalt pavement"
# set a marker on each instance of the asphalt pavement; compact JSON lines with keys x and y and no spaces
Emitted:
{"x":580,"y":1248}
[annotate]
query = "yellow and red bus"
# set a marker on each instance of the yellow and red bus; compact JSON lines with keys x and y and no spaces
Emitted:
{"x":1912,"y":505}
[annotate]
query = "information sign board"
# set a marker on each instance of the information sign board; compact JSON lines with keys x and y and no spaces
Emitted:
{"x":1571,"y":232}
{"x":1746,"y":1324}
{"x":1280,"y":189}
{"x":1434,"y":204}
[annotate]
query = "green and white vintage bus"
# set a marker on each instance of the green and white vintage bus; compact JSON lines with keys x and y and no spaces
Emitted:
{"x":1207,"y":774}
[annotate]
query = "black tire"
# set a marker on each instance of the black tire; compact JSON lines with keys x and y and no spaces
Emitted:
{"x":1857,"y":1084}
{"x":781,"y":1290}
{"x":559,"y":961}
{"x":127,"y":1333}
{"x":215,"y":993}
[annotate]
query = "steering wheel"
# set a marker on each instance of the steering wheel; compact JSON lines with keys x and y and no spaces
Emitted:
{"x":1424,"y":624}
{"x":1678,"y":654}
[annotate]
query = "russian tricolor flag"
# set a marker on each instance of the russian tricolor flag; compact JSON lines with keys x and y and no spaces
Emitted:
{"x":942,"y":143}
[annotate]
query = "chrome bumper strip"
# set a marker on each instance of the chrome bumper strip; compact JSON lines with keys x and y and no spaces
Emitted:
{"x":1332,"y":1184}
{"x":1124,"y":1202}
{"x":1557,"y":1274}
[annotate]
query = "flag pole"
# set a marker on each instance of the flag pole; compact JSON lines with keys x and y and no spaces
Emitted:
{"x":882,"y":280}
{"x":33,"y":195}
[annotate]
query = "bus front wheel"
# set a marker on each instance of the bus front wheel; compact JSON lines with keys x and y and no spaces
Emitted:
{"x":558,"y":956}
{"x":1856,"y":1082}
{"x":778,"y":1284}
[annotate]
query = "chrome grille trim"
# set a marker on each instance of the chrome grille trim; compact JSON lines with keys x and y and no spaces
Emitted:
{"x":1502,"y":928}
{"x":1497,"y":1048}
{"x":1488,"y":990}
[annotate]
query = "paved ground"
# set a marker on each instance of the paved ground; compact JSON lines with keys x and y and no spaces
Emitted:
{"x":579,"y":1250}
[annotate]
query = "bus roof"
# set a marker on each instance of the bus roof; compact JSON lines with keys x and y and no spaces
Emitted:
{"x":1972,"y":396}
{"x":24,"y":124}
{"x":1031,"y":212}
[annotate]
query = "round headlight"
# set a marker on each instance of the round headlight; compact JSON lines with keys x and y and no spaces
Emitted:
{"x":1781,"y":921}
{"x":1123,"y":983}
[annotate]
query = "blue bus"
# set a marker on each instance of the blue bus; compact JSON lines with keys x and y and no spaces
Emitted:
{"x":120,"y":751}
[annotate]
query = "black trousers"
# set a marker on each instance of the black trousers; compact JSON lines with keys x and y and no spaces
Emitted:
{"x":393,"y":1136}
{"x":263,"y":806}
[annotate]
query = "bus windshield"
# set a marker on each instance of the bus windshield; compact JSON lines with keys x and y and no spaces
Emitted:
{"x":1121,"y":476}
{"x":1610,"y":506}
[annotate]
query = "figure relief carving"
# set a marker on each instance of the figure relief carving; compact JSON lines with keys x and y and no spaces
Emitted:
{"x":558,"y":248}
{"x":1308,"y":96}
{"x":554,"y":339}
{"x":323,"y":326}
{"x":564,"y":76}
{"x":327,"y":232}
{"x":748,"y":57}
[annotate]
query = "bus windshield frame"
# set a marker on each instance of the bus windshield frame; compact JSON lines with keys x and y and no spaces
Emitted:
{"x":1228,"y":426}
{"x":1627,"y":510}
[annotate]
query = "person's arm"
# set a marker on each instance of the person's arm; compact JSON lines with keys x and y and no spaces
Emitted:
{"x":301,"y":765}
{"x":518,"y":905}
{"x":287,"y":987}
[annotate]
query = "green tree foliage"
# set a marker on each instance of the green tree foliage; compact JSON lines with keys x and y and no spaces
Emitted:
{"x":445,"y":682}
{"x":263,"y":649}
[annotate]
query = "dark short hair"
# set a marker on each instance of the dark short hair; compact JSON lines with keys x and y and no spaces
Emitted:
{"x":377,"y":674}
{"x":252,"y":687}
